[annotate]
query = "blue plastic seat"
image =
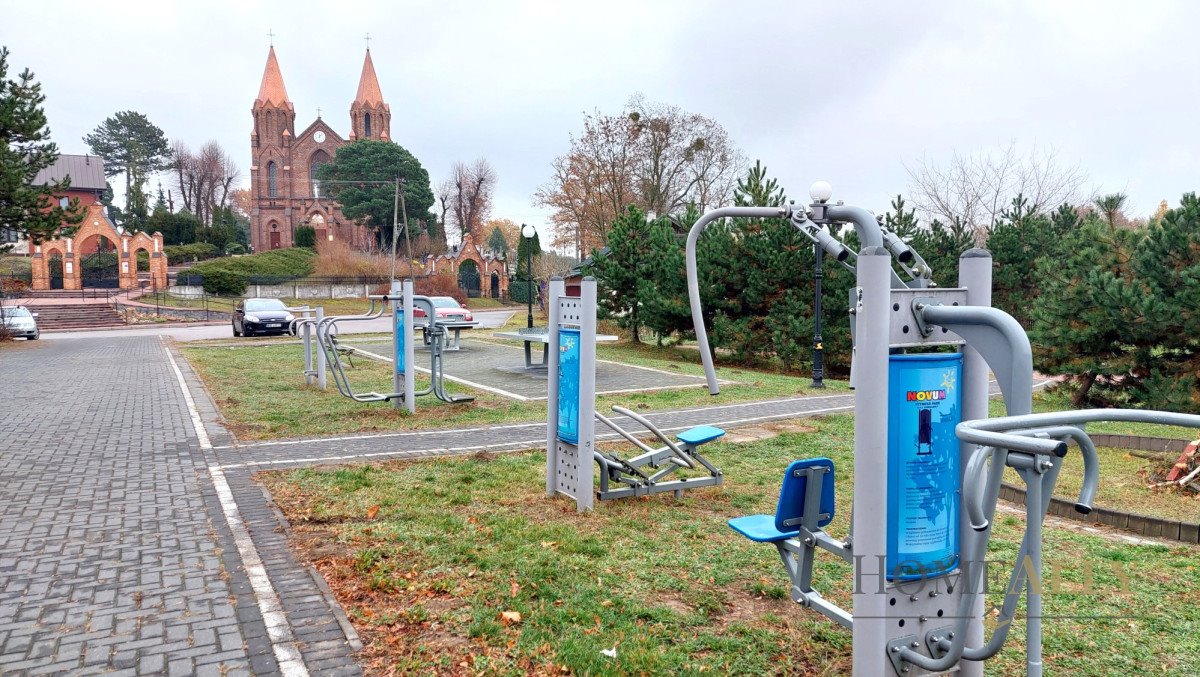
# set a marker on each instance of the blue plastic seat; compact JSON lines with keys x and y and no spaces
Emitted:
{"x":795,"y":485}
{"x":760,"y":528}
{"x":786,"y":520}
{"x":700,"y":434}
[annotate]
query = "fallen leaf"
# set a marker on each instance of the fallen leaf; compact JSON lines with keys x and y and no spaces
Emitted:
{"x":515,"y":589}
{"x":372,"y":512}
{"x":510,"y":617}
{"x":607,"y":602}
{"x":549,"y":544}
{"x":611,"y":653}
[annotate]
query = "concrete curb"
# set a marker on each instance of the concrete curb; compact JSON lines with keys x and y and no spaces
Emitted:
{"x":1143,"y":525}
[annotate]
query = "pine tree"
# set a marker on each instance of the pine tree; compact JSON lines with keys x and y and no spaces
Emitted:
{"x":1018,"y":242}
{"x":623,"y":272}
{"x":26,"y":149}
{"x":1081,"y":309}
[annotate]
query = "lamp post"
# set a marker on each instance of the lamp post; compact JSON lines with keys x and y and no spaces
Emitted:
{"x":528,"y":232}
{"x":818,"y":349}
{"x":820,"y":192}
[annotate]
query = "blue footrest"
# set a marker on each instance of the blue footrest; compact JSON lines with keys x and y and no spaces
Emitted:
{"x":700,"y":434}
{"x":760,"y":528}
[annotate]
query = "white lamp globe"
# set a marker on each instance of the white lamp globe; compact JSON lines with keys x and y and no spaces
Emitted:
{"x":820,"y":191}
{"x":528,"y":231}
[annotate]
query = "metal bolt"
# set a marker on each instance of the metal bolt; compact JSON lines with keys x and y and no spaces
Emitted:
{"x":915,"y":644}
{"x":923,"y":618}
{"x":950,"y":635}
{"x":912,"y":598}
{"x":904,"y":669}
{"x":895,"y":649}
{"x":933,"y":593}
{"x":808,"y":541}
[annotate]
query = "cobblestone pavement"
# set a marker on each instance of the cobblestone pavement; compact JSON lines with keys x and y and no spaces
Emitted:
{"x":110,"y":559}
{"x":133,"y":539}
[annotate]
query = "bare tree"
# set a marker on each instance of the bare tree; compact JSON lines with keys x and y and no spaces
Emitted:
{"x":656,"y":156}
{"x":205,"y":179}
{"x":975,"y":189}
{"x":466,"y":196}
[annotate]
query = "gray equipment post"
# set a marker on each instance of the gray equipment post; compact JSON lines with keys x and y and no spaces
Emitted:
{"x":872,"y":615}
{"x":404,"y":331}
{"x":975,"y":275}
{"x":570,"y":465}
{"x":322,"y":381}
{"x":399,"y":326}
{"x":308,"y":354}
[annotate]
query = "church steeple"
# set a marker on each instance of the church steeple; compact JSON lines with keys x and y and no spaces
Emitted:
{"x":274,"y":115}
{"x":272,"y":92}
{"x":370,"y":117}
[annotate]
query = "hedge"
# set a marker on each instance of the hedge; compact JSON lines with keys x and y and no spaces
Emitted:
{"x":279,"y":264}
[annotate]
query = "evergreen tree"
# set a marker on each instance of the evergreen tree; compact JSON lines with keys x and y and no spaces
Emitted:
{"x":373,"y":204}
{"x":624,"y":273}
{"x":26,"y":149}
{"x":1018,"y":241}
{"x":497,"y":243}
{"x":131,"y":145}
{"x":1081,"y":308}
{"x":528,"y":250}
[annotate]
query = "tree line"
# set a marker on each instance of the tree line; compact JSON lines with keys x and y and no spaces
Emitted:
{"x":1111,"y":304}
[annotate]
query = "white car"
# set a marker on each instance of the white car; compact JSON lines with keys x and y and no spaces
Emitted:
{"x":20,"y":322}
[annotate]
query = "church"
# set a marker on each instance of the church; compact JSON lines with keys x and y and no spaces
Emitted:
{"x":284,"y":164}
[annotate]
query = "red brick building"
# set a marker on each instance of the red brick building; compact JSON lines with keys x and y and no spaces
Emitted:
{"x":284,"y":163}
{"x":87,"y":185}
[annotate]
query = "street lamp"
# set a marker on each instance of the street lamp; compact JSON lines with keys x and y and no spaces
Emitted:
{"x":528,"y":232}
{"x":820,"y":192}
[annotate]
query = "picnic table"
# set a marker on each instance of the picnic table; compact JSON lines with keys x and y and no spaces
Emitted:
{"x":456,"y":326}
{"x":540,"y":335}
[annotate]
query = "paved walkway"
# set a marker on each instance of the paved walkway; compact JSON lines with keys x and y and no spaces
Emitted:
{"x":133,"y":539}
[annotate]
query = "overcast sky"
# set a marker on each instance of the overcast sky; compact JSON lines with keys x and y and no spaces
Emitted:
{"x":849,"y":92}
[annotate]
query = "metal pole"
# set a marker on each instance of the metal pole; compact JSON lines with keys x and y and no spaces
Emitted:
{"x":528,"y":277}
{"x":398,"y":328}
{"x":872,"y":309}
{"x":818,"y":371}
{"x":975,"y":274}
{"x":407,"y":239}
{"x":395,"y":222}
{"x":321,"y":380}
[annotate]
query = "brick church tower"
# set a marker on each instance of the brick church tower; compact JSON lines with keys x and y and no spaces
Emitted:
{"x":284,"y":164}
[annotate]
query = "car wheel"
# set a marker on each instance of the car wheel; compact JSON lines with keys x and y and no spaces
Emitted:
{"x":34,"y":337}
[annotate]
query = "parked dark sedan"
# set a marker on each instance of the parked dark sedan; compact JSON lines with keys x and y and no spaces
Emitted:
{"x":261,"y":316}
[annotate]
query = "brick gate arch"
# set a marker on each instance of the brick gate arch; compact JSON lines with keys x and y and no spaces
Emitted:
{"x":96,"y":223}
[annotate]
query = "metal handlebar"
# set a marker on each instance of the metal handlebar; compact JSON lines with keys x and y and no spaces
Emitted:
{"x":679,"y":453}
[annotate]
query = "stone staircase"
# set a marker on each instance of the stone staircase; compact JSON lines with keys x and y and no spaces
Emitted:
{"x":59,"y":317}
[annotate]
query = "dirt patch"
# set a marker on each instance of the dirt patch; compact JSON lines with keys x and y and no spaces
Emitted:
{"x":746,"y":608}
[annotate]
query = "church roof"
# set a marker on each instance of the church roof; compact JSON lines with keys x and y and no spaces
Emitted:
{"x":272,"y":91}
{"x":368,"y":85}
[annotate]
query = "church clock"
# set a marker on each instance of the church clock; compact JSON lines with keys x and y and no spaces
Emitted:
{"x":319,"y":137}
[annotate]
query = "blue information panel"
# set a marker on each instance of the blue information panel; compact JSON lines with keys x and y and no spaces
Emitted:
{"x":401,"y":340}
{"x":924,"y":406}
{"x":568,"y":385}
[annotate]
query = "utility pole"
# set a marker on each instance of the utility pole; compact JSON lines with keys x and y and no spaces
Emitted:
{"x":395,"y":222}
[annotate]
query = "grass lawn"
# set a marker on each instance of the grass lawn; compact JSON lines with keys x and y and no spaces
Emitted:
{"x":261,"y":393}
{"x":349,"y":306}
{"x":427,"y":557}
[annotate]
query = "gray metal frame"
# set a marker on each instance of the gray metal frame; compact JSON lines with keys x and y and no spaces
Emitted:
{"x":403,"y":391}
{"x":938,"y":629}
{"x":569,"y":467}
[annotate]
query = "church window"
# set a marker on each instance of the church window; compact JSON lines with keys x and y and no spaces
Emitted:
{"x":271,"y":180}
{"x":319,"y":159}
{"x":367,"y":125}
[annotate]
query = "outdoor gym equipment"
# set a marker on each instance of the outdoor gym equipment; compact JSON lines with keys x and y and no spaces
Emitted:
{"x":926,"y":457}
{"x":572,"y":416}
{"x":403,"y":365}
{"x":304,"y":326}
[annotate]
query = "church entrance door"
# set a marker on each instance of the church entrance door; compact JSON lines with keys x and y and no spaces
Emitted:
{"x":275,"y":243}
